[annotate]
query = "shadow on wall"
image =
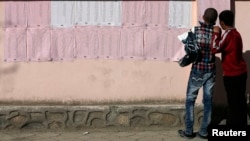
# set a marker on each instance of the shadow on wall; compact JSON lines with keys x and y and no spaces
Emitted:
{"x":246,"y":56}
{"x":11,"y":69}
{"x":8,"y":70}
{"x":5,"y":71}
{"x":7,"y":77}
{"x":219,"y":98}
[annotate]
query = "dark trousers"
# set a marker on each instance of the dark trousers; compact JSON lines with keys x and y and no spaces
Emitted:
{"x":235,"y":87}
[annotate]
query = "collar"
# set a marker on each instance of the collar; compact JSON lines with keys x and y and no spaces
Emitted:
{"x":230,"y":29}
{"x":204,"y":24}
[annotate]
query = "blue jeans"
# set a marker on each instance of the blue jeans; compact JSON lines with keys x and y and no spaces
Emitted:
{"x":195,"y":82}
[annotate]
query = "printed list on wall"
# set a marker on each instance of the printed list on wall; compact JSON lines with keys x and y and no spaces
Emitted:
{"x":69,"y":30}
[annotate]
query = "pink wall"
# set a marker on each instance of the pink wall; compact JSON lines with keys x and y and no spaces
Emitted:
{"x":102,"y":79}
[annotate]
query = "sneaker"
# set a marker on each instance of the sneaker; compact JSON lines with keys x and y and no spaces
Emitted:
{"x":183,"y":134}
{"x":202,"y":136}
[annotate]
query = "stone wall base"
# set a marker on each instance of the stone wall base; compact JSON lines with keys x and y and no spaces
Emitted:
{"x":68,"y":117}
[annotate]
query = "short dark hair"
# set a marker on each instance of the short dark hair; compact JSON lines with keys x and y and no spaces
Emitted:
{"x":210,"y":15}
{"x":227,"y":16}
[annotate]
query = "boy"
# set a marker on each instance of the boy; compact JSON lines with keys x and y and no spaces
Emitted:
{"x":234,"y":68}
{"x":202,"y":75}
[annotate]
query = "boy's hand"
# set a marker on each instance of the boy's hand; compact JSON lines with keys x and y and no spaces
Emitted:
{"x":217,"y":29}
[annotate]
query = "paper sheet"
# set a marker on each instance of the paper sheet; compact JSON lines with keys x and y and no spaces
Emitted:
{"x":62,"y":44}
{"x":62,"y":13}
{"x":38,"y":14}
{"x":155,"y":43}
{"x":38,"y":44}
{"x":15,"y":45}
{"x":132,"y":43}
{"x":15,"y":14}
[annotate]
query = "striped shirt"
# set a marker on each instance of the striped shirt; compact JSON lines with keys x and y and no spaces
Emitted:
{"x":203,"y":35}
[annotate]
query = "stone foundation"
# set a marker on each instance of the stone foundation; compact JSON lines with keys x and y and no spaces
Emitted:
{"x":62,"y":117}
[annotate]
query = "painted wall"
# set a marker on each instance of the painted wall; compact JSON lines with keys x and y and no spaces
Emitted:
{"x":100,"y":79}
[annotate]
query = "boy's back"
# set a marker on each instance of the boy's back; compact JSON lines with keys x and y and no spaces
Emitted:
{"x":203,"y":34}
{"x":201,"y":75}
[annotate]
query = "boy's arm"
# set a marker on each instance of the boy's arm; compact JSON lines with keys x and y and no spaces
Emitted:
{"x":216,"y":40}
